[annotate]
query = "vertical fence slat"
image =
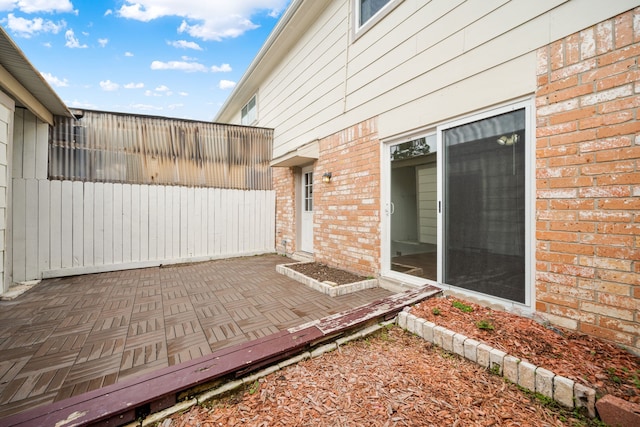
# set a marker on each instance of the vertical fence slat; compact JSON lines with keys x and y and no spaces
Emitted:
{"x":98,"y":224}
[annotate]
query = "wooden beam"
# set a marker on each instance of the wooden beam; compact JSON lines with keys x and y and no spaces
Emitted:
{"x":15,"y":89}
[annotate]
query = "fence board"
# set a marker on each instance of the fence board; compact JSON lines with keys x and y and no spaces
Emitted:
{"x":19,"y":231}
{"x":135,"y":223}
{"x":144,"y":222}
{"x":161,"y":208}
{"x":126,"y":223}
{"x":117,"y":224}
{"x":88,"y":204}
{"x":55,"y":225}
{"x":43,"y":225}
{"x":98,"y":224}
{"x":66,"y":248}
{"x":78,"y":224}
{"x":109,"y":237}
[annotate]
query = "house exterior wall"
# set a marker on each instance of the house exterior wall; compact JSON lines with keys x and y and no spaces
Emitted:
{"x":428,"y":64}
{"x":284,"y":185}
{"x":347,"y":210}
{"x":588,"y":180}
{"x":7,"y":108}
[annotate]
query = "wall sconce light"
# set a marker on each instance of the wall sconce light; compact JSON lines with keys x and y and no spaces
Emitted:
{"x":508,"y":140}
{"x":326,"y":177}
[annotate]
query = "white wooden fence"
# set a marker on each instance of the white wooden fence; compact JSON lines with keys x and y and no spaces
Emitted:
{"x":63,"y":228}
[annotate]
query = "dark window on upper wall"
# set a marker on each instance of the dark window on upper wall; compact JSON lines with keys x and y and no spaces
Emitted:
{"x":249,"y":112}
{"x":368,"y":12}
{"x":368,"y":8}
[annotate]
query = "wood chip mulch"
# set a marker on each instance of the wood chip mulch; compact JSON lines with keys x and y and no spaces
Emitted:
{"x":322,"y":272}
{"x":392,"y":378}
{"x":593,"y":362}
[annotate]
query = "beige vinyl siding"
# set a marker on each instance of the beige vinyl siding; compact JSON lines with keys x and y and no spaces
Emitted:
{"x":423,"y":63}
{"x":309,"y":87}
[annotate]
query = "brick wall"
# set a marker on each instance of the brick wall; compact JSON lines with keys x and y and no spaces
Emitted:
{"x":588,"y":180}
{"x":347,"y":210}
{"x":285,"y":188}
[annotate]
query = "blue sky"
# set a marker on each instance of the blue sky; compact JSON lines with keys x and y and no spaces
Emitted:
{"x":174,"y":58}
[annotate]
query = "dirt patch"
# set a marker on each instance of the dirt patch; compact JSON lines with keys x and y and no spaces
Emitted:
{"x":390,"y":379}
{"x":587,"y":360}
{"x":324,"y":273}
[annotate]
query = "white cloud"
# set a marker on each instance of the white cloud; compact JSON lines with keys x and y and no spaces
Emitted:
{"x":134,"y":85}
{"x":151,"y":93}
{"x":174,"y":106}
{"x":206,"y":20}
{"x":33,"y":6}
{"x":162,"y":88}
{"x":224,"y":68}
{"x":183,"y":93}
{"x":178,"y":65}
{"x":109,"y":86}
{"x":28,"y":27}
{"x":226,"y":84}
{"x":78,"y":104}
{"x":103,"y":42}
{"x":72,"y":41}
{"x":183,"y":44}
{"x":145,"y":107}
{"x":108,"y":12}
{"x":54,"y":81}
{"x":128,"y":54}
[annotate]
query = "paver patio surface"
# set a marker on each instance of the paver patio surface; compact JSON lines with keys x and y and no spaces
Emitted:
{"x":71,"y":335}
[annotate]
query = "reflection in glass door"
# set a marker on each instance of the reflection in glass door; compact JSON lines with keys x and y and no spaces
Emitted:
{"x":484,"y":206}
{"x":413,"y":223}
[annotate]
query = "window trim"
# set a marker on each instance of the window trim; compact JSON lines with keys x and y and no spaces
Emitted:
{"x":254,"y":98}
{"x":359,"y":30}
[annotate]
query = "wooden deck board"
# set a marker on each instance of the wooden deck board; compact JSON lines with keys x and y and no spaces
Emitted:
{"x":158,"y":389}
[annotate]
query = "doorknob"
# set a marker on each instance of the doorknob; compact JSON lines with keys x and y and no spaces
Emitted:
{"x":392,"y":208}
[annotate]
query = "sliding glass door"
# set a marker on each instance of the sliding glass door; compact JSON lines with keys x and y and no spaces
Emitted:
{"x":457,"y":206}
{"x":484,"y":206}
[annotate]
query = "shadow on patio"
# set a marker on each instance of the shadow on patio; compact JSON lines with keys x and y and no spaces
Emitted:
{"x":72,"y":335}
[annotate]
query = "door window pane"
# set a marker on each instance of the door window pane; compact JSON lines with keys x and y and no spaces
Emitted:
{"x":308,"y":191}
{"x":368,"y":8}
{"x":484,"y":206}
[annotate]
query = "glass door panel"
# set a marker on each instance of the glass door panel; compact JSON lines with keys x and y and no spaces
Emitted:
{"x":484,"y":206}
{"x":413,"y":222}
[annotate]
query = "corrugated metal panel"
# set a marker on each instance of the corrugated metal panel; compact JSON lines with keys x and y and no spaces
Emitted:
{"x":109,"y":147}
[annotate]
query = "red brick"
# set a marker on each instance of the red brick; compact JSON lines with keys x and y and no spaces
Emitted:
{"x":606,"y":239}
{"x":572,"y":115}
{"x":604,"y":37}
{"x":618,"y":105}
{"x":572,"y":270}
{"x":620,"y":129}
{"x":556,"y":257}
{"x":619,"y":301}
{"x":614,"y":411}
{"x":578,"y":226}
{"x":607,"y":334}
{"x":572,"y":49}
{"x":572,"y":248}
{"x":557,"y":55}
{"x":583,"y":181}
{"x":620,"y":179}
{"x":572,"y":204}
{"x":619,"y":277}
{"x":579,"y":159}
{"x":570,"y":138}
{"x":618,"y":80}
{"x":569,"y":93}
{"x":558,"y":299}
{"x":608,"y":191}
{"x":606,"y":69}
{"x":601,"y":216}
{"x":557,"y":236}
{"x":623,"y":27}
{"x":608,"y":168}
{"x":606,"y":144}
{"x":608,"y":287}
{"x":633,"y":229}
{"x":621,"y":154}
{"x":620,"y":204}
{"x":621,"y":253}
{"x":607,"y":120}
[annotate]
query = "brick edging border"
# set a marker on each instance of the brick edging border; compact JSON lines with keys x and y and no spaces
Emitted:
{"x":565,"y":391}
{"x":327,"y":289}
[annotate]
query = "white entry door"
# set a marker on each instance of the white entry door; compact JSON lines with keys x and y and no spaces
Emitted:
{"x":306,"y":216}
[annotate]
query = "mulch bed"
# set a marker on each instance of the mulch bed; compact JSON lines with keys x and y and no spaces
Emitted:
{"x":390,"y":379}
{"x":322,"y":273}
{"x":588,"y":360}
